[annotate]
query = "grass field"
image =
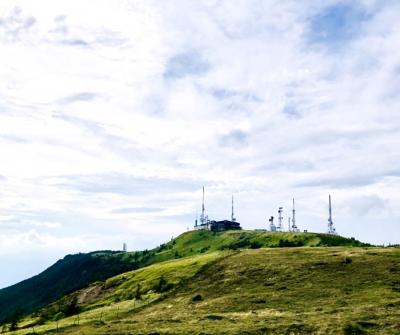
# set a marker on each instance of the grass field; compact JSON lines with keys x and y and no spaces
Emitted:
{"x":78,"y":271}
{"x":324,"y":290}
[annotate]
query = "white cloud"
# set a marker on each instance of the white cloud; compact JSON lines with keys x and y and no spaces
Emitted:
{"x":137,"y":104}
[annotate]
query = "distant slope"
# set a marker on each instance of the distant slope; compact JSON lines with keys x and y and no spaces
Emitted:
{"x":147,"y":284}
{"x":335,"y":290}
{"x":65,"y":276}
{"x":78,"y":271}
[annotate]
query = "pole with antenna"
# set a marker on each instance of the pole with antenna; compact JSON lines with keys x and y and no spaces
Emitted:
{"x":293,"y":217}
{"x":294,"y":226}
{"x":331,"y":229}
{"x":202,"y":216}
{"x":233,"y":219}
{"x":280,"y":218}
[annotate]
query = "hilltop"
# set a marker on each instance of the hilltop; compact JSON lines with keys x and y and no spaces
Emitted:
{"x":197,"y":250}
{"x":324,"y":290}
{"x":77,"y":271}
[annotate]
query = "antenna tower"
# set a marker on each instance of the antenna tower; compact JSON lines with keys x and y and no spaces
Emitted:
{"x":202,"y":216}
{"x":289,"y":224}
{"x":294,"y":227}
{"x":233,"y":219}
{"x":331,"y":229}
{"x":272,"y":227}
{"x":204,"y":221}
{"x":280,"y":218}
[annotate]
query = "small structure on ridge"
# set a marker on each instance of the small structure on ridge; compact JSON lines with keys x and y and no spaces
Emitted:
{"x":213,"y":225}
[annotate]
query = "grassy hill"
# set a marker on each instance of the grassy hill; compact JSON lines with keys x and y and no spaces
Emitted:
{"x":201,"y":241}
{"x":324,"y":290}
{"x":67,"y":275}
{"x":78,"y":271}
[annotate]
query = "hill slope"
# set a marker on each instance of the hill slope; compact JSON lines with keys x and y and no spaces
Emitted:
{"x":336,"y":290}
{"x":67,"y":275}
{"x":78,"y":271}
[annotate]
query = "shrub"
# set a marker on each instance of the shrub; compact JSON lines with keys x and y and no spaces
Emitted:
{"x":4,"y":328}
{"x":197,"y":297}
{"x":15,"y":319}
{"x":255,"y":245}
{"x":162,"y":247}
{"x":287,"y":243}
{"x":163,"y":285}
{"x":347,"y":260}
{"x":138,"y":293}
{"x":160,"y":284}
{"x":71,"y":307}
{"x":259,"y":301}
{"x":214,"y":317}
{"x":203,"y":250}
{"x":352,"y":329}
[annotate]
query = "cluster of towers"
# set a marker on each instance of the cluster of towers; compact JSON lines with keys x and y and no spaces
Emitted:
{"x":204,"y":220}
{"x":291,"y":221}
{"x":207,"y":224}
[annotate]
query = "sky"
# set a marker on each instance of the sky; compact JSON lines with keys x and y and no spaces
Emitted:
{"x":114,"y":114}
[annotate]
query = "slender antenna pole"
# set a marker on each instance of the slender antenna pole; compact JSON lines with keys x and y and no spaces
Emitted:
{"x":330,"y":209}
{"x":233,"y":219}
{"x":331,"y":229}
{"x":203,"y":208}
{"x":202,"y":218}
{"x":294,"y":217}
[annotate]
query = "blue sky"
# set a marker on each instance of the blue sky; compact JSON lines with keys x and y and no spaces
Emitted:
{"x":337,"y":24}
{"x":114,"y":115}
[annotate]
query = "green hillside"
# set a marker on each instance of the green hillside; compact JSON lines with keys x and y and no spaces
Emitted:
{"x":67,"y":275}
{"x":78,"y":271}
{"x":335,"y":290}
{"x":201,"y":241}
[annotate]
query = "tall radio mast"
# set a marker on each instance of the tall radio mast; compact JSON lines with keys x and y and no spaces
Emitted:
{"x":331,"y":229}
{"x":293,"y":216}
{"x":294,"y":227}
{"x":280,"y":218}
{"x":202,"y":216}
{"x":233,"y":219}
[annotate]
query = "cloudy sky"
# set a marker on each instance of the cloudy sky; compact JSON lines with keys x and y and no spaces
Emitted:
{"x":113,"y":114}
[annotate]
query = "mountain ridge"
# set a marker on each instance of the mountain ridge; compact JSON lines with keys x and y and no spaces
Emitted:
{"x":75,"y":272}
{"x":280,"y":291}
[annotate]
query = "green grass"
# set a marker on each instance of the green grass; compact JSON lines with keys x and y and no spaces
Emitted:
{"x":324,"y":290}
{"x":113,"y":298}
{"x":75,"y":272}
{"x":204,"y":241}
{"x":150,"y":281}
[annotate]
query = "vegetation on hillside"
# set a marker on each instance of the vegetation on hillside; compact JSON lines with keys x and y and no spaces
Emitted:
{"x":75,"y":272}
{"x":336,"y":290}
